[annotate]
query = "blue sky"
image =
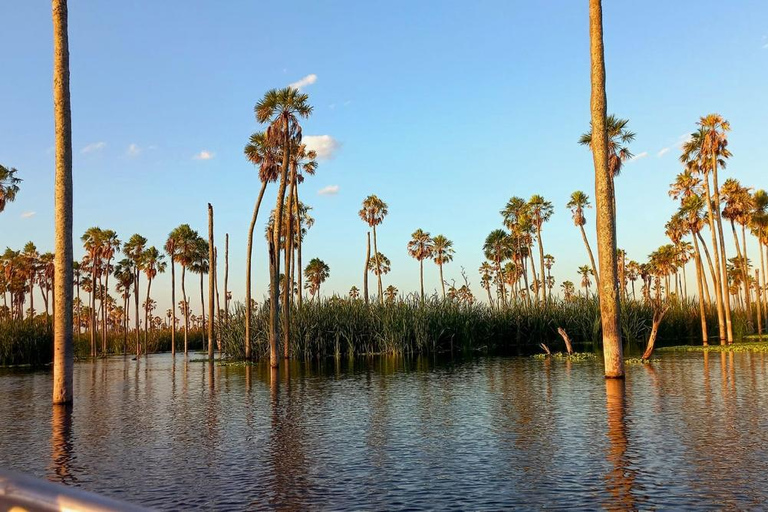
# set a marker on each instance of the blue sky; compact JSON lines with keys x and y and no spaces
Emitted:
{"x":444,"y":110}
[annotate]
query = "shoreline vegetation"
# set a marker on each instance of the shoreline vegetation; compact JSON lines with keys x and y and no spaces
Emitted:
{"x":337,"y":327}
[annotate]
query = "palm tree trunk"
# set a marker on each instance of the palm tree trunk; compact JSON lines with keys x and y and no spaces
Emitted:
{"x":94,"y":287}
{"x":365,"y":272}
{"x":378,"y":266}
{"x":274,"y":294}
{"x":702,"y":309}
{"x":288,"y":288}
{"x":712,"y":270}
{"x":300,"y":239}
{"x":533,"y":274}
{"x":421,"y":278}
{"x":525,"y":279}
{"x":218,"y":303}
{"x":541,"y":267}
{"x":80,"y":305}
{"x":721,"y":287}
{"x":442,"y":282}
{"x":186,"y":307}
{"x":226,"y":277}
{"x":137,"y":289}
{"x":173,"y":308}
{"x":125,"y":323}
{"x":759,"y":308}
{"x":723,"y":258}
{"x":202,"y":308}
{"x":248,"y":266}
{"x":744,"y":272}
{"x":747,"y":287}
{"x":146,"y":316}
{"x":211,"y":280}
{"x":606,"y":215}
{"x":63,"y":351}
{"x":104,"y":314}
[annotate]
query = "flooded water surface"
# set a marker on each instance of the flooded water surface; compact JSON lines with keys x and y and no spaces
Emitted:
{"x":690,"y":431}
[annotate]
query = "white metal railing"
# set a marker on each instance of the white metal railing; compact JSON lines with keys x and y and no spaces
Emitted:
{"x":20,"y":492}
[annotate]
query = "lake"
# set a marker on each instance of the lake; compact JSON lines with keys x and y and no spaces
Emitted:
{"x":690,"y":431}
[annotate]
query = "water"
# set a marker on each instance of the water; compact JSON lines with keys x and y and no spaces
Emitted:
{"x":388,"y":433}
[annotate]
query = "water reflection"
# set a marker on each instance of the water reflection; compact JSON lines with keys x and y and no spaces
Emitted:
{"x":398,"y":433}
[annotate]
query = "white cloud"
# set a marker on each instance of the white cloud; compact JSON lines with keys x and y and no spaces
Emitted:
{"x":303,"y":82}
{"x":639,"y":156}
{"x":204,"y":155}
{"x":93,"y":147}
{"x":27,"y":215}
{"x":662,"y":152}
{"x":133,"y":150}
{"x":325,"y":145}
{"x":683,"y":139}
{"x":330,"y":190}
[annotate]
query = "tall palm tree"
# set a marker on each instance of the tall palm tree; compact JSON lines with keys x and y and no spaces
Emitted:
{"x":443,"y":250}
{"x":134,"y":250}
{"x":739,"y":207}
{"x":110,"y":245}
{"x":171,"y":249}
{"x":759,"y":228}
{"x":152,"y":263}
{"x":63,"y":351}
{"x":585,"y":272}
{"x":704,"y":152}
{"x":498,"y":249}
{"x":390,"y":294}
{"x":569,"y":290}
{"x":421,"y":246}
{"x":9,"y":186}
{"x":486,"y":278}
{"x":372,"y":213}
{"x":185,"y":245}
{"x":303,"y":162}
{"x":541,"y":211}
{"x":379,"y":264}
{"x":259,"y":151}
{"x":577,"y":203}
{"x":125,"y":279}
{"x":517,"y":219}
{"x":282,"y":110}
{"x":317,"y":272}
{"x":31,"y":262}
{"x":604,"y":196}
{"x":93,"y":243}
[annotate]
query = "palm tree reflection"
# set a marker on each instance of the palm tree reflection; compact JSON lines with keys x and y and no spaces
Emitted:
{"x":61,"y":445}
{"x":620,"y":479}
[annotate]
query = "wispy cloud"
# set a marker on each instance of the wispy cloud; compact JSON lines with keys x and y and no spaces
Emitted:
{"x":639,"y":156}
{"x":93,"y":147}
{"x":303,"y":82}
{"x":325,"y":145}
{"x":133,"y":150}
{"x":27,"y":215}
{"x":682,"y":140}
{"x":204,"y":155}
{"x":330,"y":190}
{"x":765,"y":46}
{"x":662,"y":152}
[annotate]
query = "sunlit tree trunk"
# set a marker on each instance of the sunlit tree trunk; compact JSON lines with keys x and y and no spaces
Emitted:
{"x":146,"y":316}
{"x":300,"y":239}
{"x":137,"y":288}
{"x":747,"y":287}
{"x":541,"y":266}
{"x":63,"y":352}
{"x":173,"y":307}
{"x":759,"y":309}
{"x":606,"y":218}
{"x":211,"y":280}
{"x":248,"y":265}
{"x":442,"y":282}
{"x":186,"y":307}
{"x":421,"y":278}
{"x":721,"y":287}
{"x":365,"y":272}
{"x":288,"y":288}
{"x":723,"y":258}
{"x":702,"y":309}
{"x":274,"y":292}
{"x":378,"y":266}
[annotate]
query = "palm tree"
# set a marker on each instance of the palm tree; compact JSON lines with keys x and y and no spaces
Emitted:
{"x":125,"y":280}
{"x":200,"y":265}
{"x":110,"y":244}
{"x":703,"y":153}
{"x":739,"y":208}
{"x":578,"y":202}
{"x":152,"y":264}
{"x":31,"y":262}
{"x":372,"y":213}
{"x":281,"y":109}
{"x":604,"y":196}
{"x":267,"y":156}
{"x":9,"y":186}
{"x":443,"y":253}
{"x":421,"y":247}
{"x":93,"y":243}
{"x":585,"y":272}
{"x":759,"y":228}
{"x":171,"y":249}
{"x":569,"y":290}
{"x":302,"y":163}
{"x":497,"y":248}
{"x":541,"y":211}
{"x":316,"y":273}
{"x":63,"y":351}
{"x":134,"y":250}
{"x":390,"y":294}
{"x":518,"y":220}
{"x":354,"y":293}
{"x":185,"y":245}
{"x":486,"y":278}
{"x":379,"y":264}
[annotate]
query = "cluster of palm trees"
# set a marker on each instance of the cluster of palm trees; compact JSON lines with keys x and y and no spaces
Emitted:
{"x":20,"y":272}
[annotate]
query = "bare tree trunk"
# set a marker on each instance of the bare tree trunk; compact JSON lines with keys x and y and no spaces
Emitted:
{"x":63,"y":351}
{"x":606,"y":218}
{"x":211,"y":280}
{"x":658,"y":315}
{"x":248,"y":265}
{"x":365,"y":272}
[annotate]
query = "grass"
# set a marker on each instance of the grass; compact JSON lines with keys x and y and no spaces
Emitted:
{"x":744,"y":346}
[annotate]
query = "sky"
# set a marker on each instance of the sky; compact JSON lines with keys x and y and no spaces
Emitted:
{"x":443,"y":109}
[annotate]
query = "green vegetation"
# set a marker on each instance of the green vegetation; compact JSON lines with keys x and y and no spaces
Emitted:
{"x":744,"y":346}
